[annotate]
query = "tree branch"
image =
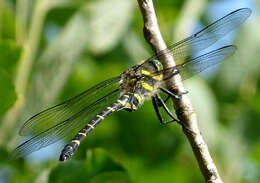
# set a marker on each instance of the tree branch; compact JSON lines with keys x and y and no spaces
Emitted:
{"x":183,"y":107}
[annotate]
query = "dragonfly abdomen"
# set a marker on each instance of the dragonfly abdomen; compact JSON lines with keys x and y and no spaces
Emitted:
{"x":71,"y":147}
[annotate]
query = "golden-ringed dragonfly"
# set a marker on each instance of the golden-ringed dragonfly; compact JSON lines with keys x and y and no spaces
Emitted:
{"x":82,"y":113}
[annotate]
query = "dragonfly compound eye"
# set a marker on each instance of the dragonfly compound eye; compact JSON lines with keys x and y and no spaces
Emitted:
{"x":157,"y":64}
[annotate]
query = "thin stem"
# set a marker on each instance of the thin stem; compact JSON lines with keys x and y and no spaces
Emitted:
{"x":183,"y":106}
{"x":30,"y":48}
{"x":21,"y":16}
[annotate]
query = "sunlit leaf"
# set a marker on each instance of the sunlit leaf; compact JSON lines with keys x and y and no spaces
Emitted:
{"x":109,"y":19}
{"x":66,"y":3}
{"x":245,"y":63}
{"x":135,"y":48}
{"x":202,"y":98}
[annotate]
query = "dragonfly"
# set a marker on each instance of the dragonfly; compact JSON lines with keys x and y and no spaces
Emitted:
{"x":81,"y":114}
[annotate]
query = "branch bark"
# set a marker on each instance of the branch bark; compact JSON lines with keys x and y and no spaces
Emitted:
{"x":183,"y":107}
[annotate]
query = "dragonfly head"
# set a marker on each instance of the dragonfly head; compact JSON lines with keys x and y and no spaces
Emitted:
{"x":152,"y":68}
{"x":156,"y":64}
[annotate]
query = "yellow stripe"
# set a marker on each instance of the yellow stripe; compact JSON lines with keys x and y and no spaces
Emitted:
{"x":147,"y":86}
{"x":101,"y":117}
{"x":139,"y":98}
{"x":70,"y":147}
{"x":128,"y":105}
{"x":91,"y":126}
{"x":84,"y":130}
{"x":121,"y":102}
{"x":110,"y":108}
{"x":76,"y":141}
{"x":158,"y":77}
{"x":133,"y":106}
{"x":80,"y":133}
{"x":145,"y":72}
{"x":127,"y":96}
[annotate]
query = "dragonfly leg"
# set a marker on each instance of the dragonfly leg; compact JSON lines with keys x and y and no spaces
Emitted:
{"x":169,"y":93}
{"x":165,"y":100}
{"x":156,"y":101}
{"x":156,"y":108}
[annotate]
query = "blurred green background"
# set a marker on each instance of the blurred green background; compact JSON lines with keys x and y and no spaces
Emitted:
{"x":51,"y":50}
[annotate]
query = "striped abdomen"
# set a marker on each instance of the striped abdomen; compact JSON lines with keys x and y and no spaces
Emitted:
{"x":70,"y":148}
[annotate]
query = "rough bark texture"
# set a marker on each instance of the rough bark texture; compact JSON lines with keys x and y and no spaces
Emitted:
{"x":183,"y":107}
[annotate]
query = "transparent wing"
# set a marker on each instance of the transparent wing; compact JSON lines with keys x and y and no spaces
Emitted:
{"x":200,"y":63}
{"x":206,"y":37}
{"x":62,"y":129}
{"x":53,"y":116}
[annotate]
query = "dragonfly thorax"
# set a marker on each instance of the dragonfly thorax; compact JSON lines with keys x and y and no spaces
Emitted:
{"x":140,"y":82}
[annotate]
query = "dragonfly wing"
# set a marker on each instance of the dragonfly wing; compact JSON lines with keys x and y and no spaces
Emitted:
{"x":64,"y":128}
{"x":200,"y":63}
{"x":206,"y":37}
{"x":55,"y":115}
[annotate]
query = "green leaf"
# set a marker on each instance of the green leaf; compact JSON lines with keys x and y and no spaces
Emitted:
{"x":7,"y":18}
{"x":9,"y":55}
{"x":111,"y":177}
{"x":7,"y":92}
{"x":207,"y":120}
{"x":109,"y":19}
{"x":98,"y":166}
{"x":3,"y":155}
{"x":67,"y":3}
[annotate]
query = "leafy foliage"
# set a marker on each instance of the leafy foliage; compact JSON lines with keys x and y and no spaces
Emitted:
{"x":6,"y":87}
{"x":9,"y":56}
{"x":98,"y":167}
